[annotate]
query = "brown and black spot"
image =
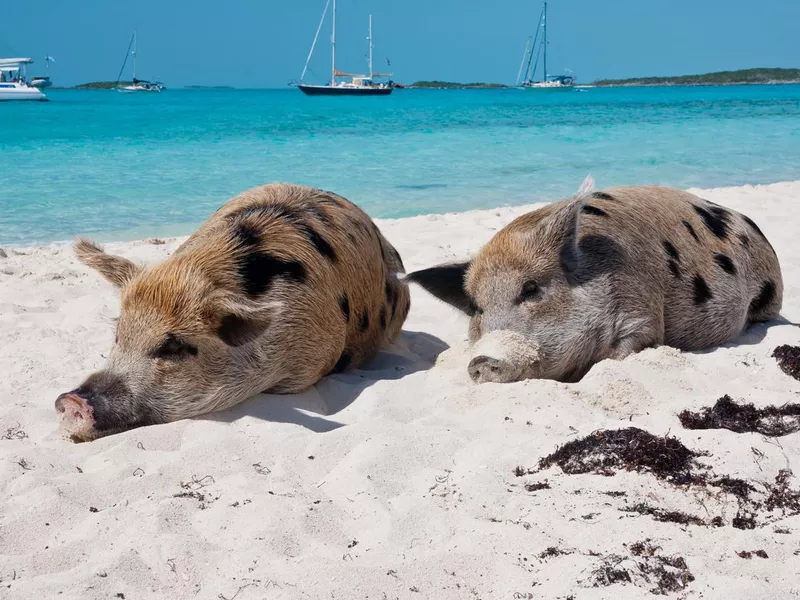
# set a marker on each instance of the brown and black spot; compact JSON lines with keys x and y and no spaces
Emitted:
{"x":258,"y":269}
{"x":766,"y":296}
{"x":672,"y":251}
{"x":674,"y":258}
{"x":588,"y":209}
{"x":691,"y":231}
{"x":363,"y":325}
{"x":602,"y":196}
{"x":745,"y":240}
{"x":344,"y":304}
{"x":383,"y":317}
{"x":301,"y":219}
{"x":319,"y":242}
{"x":702,"y":293}
{"x":725,"y":263}
{"x":715,"y":218}
{"x":316,"y":211}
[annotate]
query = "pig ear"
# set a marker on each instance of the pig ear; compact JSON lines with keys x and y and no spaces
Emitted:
{"x":563,"y":226}
{"x":446,"y":282}
{"x":116,"y":270}
{"x":241,"y":324}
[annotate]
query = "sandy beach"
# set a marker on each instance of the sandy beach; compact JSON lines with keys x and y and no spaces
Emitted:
{"x":402,"y":479}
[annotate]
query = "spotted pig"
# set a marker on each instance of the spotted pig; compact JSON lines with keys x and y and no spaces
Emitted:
{"x":607,"y":273}
{"x":283,"y":285}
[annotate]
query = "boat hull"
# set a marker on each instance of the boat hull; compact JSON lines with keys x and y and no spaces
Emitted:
{"x":327,"y":90}
{"x":548,"y":88}
{"x":20,"y":94}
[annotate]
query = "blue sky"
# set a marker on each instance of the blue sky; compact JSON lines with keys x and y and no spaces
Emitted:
{"x":264,"y":43}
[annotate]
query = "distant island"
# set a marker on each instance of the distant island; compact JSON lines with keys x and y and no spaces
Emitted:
{"x":209,"y":87}
{"x":449,"y":85}
{"x":101,"y":85}
{"x":741,"y":77}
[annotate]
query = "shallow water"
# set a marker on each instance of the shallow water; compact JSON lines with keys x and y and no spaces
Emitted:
{"x":122,"y":166}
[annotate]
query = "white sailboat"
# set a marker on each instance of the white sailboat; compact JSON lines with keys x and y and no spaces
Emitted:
{"x":136,"y":85}
{"x":547,"y":82}
{"x":13,"y":81}
{"x":359,"y":85}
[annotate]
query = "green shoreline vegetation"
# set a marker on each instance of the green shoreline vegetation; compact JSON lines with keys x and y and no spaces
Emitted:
{"x":740,"y":77}
{"x":449,"y":85}
{"x":101,"y":85}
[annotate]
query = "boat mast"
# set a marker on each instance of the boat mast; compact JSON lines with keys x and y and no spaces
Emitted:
{"x":127,"y":54}
{"x":333,"y":46}
{"x":545,"y":42}
{"x":370,"y":47}
{"x":134,"y":54}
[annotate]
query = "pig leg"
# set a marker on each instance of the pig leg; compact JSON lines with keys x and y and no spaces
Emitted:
{"x":636,"y":335}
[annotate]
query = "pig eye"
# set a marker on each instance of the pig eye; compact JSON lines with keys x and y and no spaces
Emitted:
{"x":530,"y":291}
{"x":174,"y":348}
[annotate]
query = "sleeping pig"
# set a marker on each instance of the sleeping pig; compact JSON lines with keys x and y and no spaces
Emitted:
{"x":283,"y":285}
{"x":604,"y":274}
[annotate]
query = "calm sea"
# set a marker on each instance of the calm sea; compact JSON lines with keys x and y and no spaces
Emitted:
{"x":122,"y":166}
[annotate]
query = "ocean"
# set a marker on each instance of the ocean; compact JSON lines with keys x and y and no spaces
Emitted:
{"x":125,"y":166}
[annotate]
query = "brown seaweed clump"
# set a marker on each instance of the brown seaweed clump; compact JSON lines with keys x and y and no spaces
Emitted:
{"x":788,"y":358}
{"x":632,"y":449}
{"x":645,"y":568}
{"x":771,"y":421}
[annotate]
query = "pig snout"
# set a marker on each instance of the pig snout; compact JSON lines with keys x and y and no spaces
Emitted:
{"x":503,"y":356}
{"x":103,"y":404}
{"x":485,"y":369}
{"x":77,"y":415}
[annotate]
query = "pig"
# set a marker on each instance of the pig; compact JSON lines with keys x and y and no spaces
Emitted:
{"x":281,"y":286}
{"x":604,"y":274}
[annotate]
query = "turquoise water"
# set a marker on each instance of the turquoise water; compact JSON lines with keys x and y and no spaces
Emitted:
{"x":133,"y":165}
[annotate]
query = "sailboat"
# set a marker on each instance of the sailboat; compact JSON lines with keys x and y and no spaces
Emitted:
{"x":359,"y":85}
{"x":548,"y":82}
{"x":137,"y":85}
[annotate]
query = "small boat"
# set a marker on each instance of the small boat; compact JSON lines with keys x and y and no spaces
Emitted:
{"x":13,"y":81}
{"x":136,"y":85}
{"x":43,"y":81}
{"x":40,"y":81}
{"x":548,"y":82}
{"x":359,"y":85}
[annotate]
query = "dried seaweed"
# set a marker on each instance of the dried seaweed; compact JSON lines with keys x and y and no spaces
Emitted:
{"x":772,"y":421}
{"x":632,"y":449}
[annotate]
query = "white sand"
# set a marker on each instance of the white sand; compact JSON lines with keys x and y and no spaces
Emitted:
{"x":395,"y":481}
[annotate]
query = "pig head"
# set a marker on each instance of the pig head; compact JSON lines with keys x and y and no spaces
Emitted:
{"x":179,"y":347}
{"x":534,"y":296}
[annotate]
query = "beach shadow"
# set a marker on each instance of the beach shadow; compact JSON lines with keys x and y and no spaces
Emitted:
{"x":414,"y":351}
{"x":751,"y":336}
